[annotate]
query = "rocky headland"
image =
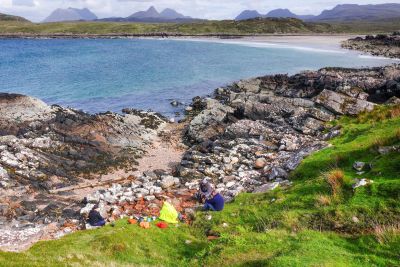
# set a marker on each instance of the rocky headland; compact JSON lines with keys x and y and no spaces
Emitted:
{"x":378,"y":45}
{"x":47,"y":151}
{"x":247,"y":138}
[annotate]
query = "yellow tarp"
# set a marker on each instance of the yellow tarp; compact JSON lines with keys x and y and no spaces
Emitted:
{"x":168,"y":213}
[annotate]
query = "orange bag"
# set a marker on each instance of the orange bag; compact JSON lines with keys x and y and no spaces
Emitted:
{"x":145,"y":225}
{"x":132,"y":221}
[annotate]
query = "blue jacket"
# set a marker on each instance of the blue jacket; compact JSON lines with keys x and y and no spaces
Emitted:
{"x":217,"y":201}
{"x":94,"y":217}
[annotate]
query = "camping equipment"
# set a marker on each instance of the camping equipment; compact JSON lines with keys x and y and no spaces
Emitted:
{"x":168,"y":213}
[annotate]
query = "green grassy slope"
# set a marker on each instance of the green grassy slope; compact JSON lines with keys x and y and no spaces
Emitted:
{"x":5,"y":17}
{"x":206,"y":27}
{"x":256,"y":26}
{"x":318,"y":221}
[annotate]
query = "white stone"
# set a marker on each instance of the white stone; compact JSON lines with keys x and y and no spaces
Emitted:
{"x":230,"y":184}
{"x":3,"y":174}
{"x":167,"y":181}
{"x":128,"y":194}
{"x":149,"y":198}
{"x":362,"y":182}
{"x":87,"y":208}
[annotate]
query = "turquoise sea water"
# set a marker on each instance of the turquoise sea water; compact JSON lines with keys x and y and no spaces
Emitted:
{"x":101,"y":75}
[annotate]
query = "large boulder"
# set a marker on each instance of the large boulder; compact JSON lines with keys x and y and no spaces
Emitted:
{"x":246,"y":128}
{"x":342,"y":104}
{"x":168,"y":181}
{"x":21,"y":108}
{"x":249,"y":86}
{"x":208,"y":123}
{"x":17,"y":112}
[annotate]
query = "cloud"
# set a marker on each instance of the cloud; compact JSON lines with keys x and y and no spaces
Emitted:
{"x":142,"y":1}
{"x":29,"y":3}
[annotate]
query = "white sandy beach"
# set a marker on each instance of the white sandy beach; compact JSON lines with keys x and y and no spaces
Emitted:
{"x":309,"y":42}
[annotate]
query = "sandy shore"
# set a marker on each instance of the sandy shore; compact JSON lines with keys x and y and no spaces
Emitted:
{"x":316,"y":42}
{"x":302,"y":41}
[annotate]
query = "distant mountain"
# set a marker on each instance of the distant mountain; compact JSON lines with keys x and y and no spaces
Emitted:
{"x":5,"y":17}
{"x":169,"y":13}
{"x":281,"y":13}
{"x":152,"y":15}
{"x":149,"y":13}
{"x":249,"y":14}
{"x":348,"y":12}
{"x":360,"y":12}
{"x":70,"y":14}
{"x":286,"y":13}
{"x":276,"y":13}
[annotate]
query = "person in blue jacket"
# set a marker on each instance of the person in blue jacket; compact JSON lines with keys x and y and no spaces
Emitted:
{"x":212,"y":200}
{"x":95,"y":219}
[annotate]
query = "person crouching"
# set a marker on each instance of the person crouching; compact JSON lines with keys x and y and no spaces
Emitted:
{"x":95,"y":219}
{"x":212,"y":199}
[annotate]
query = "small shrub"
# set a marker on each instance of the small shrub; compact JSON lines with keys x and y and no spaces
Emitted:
{"x":262,"y":224}
{"x":380,"y":113}
{"x":386,"y":140}
{"x":377,"y":142}
{"x":395,"y":112}
{"x":323,"y":200}
{"x":335,"y":179}
{"x":386,"y":234}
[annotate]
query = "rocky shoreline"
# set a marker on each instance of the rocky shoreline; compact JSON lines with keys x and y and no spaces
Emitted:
{"x":151,"y":35}
{"x":247,"y":138}
{"x":379,"y":45}
{"x":110,"y":35}
{"x":44,"y":149}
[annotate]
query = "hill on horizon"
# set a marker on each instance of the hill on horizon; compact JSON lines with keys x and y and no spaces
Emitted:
{"x":152,"y":15}
{"x":349,"y":12}
{"x":276,"y":13}
{"x":345,"y":12}
{"x":70,"y":14}
{"x":286,"y":13}
{"x":7,"y":17}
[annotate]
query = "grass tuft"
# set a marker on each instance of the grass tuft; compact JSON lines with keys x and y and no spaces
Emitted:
{"x":387,"y":234}
{"x":395,"y":112}
{"x":323,"y":200}
{"x":335,"y":179}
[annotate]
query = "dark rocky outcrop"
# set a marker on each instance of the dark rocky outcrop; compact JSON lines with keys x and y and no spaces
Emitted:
{"x":379,"y":45}
{"x":254,"y":132}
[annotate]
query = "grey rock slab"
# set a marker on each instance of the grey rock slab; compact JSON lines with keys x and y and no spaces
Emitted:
{"x":342,"y":104}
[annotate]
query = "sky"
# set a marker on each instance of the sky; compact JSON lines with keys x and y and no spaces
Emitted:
{"x":37,"y":10}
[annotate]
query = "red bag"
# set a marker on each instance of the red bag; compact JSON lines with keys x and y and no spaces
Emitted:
{"x":162,"y":225}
